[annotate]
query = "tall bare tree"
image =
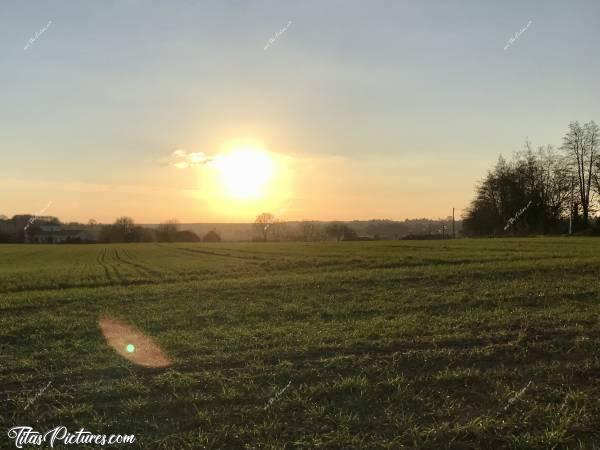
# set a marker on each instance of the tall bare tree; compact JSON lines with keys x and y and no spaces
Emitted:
{"x":309,"y":230}
{"x":167,"y":231}
{"x":597,"y":177}
{"x":554,"y":183}
{"x":278,"y":229}
{"x":581,"y":146}
{"x":340,"y":231}
{"x":262,"y":224}
{"x":124,"y":224}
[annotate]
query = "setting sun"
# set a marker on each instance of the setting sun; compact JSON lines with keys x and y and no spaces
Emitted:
{"x":245,"y":172}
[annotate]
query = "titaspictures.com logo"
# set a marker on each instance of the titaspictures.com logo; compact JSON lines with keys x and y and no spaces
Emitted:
{"x":28,"y":436}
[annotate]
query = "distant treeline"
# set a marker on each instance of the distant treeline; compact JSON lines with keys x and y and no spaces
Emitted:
{"x":125,"y":230}
{"x":271,"y":228}
{"x":30,"y":228}
{"x":541,"y":192}
{"x":268,"y":227}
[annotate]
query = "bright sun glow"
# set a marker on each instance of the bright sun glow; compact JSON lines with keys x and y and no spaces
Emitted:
{"x":245,"y":172}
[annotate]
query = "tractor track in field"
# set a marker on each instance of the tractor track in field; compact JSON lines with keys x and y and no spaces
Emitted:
{"x":112,"y":273}
{"x":120,"y":277}
{"x":365,"y":275}
{"x":206,"y":252}
{"x":141,"y":269}
{"x":100,"y":260}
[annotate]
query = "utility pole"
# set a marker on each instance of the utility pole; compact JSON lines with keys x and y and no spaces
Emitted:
{"x":571,"y":209}
{"x":453,"y":233}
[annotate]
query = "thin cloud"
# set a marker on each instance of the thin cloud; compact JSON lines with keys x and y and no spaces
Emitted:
{"x":182,"y":159}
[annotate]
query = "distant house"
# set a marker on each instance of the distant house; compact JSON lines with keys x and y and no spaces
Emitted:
{"x":57,"y":234}
{"x":51,"y":228}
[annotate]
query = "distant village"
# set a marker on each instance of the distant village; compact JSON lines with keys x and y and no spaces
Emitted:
{"x":45,"y":229}
{"x":32,"y":229}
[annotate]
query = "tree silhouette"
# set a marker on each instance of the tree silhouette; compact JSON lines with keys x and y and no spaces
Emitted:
{"x":211,"y":236}
{"x":262,"y":224}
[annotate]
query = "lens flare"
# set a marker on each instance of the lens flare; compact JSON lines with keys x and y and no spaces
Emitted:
{"x":132,"y":344}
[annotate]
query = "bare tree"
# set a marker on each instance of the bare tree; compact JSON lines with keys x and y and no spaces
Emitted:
{"x":167,"y":231}
{"x":263,"y":223}
{"x":597,"y":177}
{"x":581,"y":146}
{"x":124,"y":224}
{"x":278,"y":229}
{"x":123,"y":230}
{"x":309,"y":230}
{"x":212,"y":236}
{"x":340,"y":231}
{"x":554,"y":183}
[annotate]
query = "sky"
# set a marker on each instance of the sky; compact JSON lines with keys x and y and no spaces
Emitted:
{"x":366,"y":110}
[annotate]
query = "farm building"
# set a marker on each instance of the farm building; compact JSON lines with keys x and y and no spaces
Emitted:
{"x":56,"y":234}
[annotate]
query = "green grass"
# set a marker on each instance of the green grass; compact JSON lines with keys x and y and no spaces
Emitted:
{"x":397,"y":344}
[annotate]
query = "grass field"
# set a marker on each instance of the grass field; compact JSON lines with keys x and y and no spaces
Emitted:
{"x":401,"y":344}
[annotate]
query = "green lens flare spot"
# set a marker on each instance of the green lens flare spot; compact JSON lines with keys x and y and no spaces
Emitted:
{"x":130,"y":348}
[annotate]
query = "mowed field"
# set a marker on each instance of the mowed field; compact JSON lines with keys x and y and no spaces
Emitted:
{"x":462,"y":344}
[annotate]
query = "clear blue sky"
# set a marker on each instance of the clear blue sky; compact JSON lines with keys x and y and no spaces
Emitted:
{"x":385,"y":99}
